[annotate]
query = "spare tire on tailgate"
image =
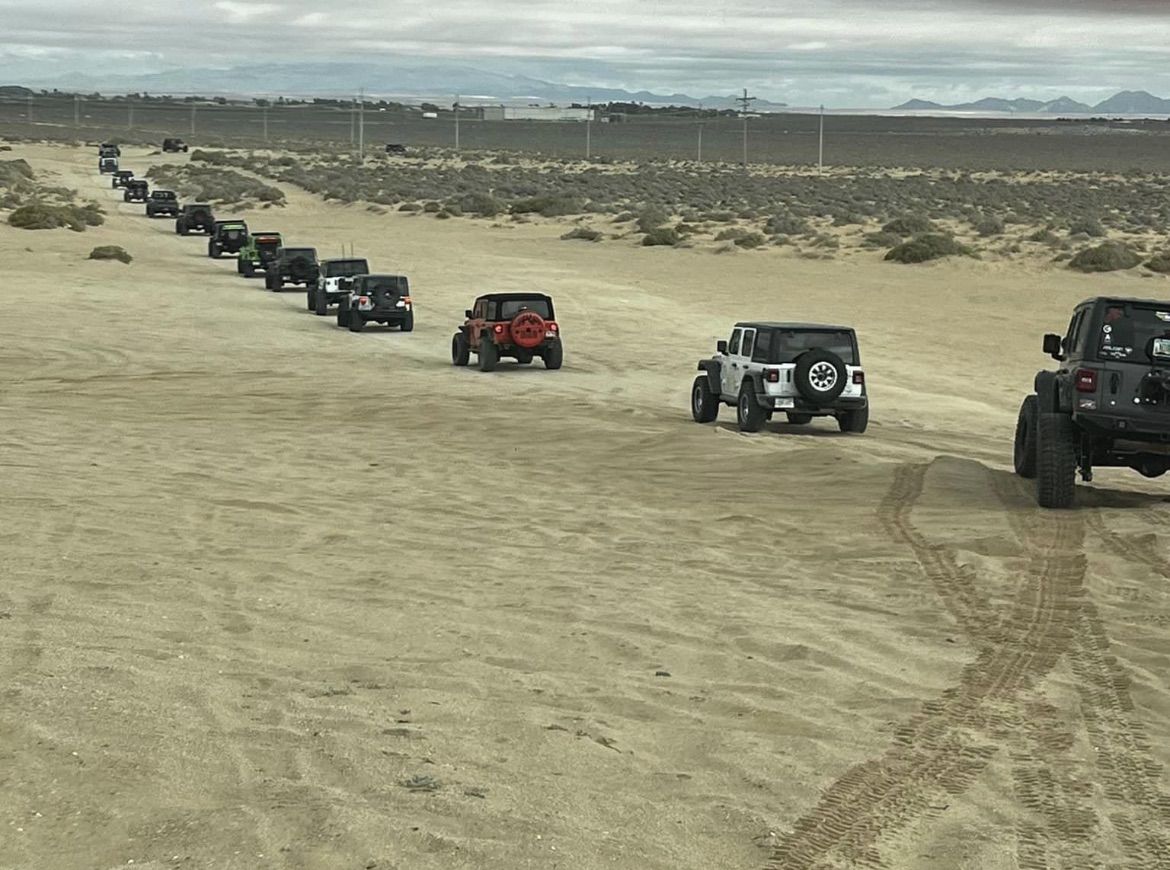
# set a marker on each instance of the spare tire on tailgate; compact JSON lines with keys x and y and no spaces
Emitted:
{"x":820,"y":376}
{"x":302,"y":269}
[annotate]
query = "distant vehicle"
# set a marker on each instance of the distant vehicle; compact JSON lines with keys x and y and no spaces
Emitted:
{"x":518,"y":325}
{"x":291,"y":266}
{"x":108,"y":149}
{"x":135,"y":190}
{"x":162,"y":202}
{"x":107,"y":164}
{"x":334,"y":278}
{"x":172,"y":146}
{"x":804,"y":370}
{"x":430,"y":116}
{"x":195,"y":217}
{"x":1108,"y":405}
{"x":257,"y":253}
{"x":377,"y":299}
{"x":227,"y":237}
{"x":120,"y":178}
{"x":395,"y":148}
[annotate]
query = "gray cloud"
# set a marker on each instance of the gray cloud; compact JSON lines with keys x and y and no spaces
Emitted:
{"x":803,"y":53}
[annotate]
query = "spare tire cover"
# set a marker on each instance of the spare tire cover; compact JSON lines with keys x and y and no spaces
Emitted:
{"x":820,"y":376}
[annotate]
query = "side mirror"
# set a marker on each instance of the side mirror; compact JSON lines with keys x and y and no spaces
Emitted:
{"x":467,"y":314}
{"x":721,"y":347}
{"x":1054,"y":346}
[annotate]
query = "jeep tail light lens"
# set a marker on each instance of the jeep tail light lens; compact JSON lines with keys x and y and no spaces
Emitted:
{"x":859,"y":378}
{"x":499,"y":329}
{"x":1086,"y":380}
{"x":406,"y":299}
{"x":772,"y":376}
{"x":363,"y":299}
{"x":552,"y":326}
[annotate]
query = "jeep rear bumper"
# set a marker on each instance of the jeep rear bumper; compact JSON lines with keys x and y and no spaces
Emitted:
{"x":798,"y":405}
{"x":1146,"y":428}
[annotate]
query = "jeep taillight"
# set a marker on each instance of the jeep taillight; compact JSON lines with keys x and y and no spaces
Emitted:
{"x":406,"y":299}
{"x":1086,"y":380}
{"x":859,"y":378}
{"x":498,"y":329}
{"x":552,"y":327}
{"x":772,"y":376}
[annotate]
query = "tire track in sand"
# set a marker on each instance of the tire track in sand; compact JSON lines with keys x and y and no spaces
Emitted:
{"x":941,"y":750}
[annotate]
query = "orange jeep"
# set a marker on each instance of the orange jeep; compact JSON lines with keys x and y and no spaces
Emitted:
{"x":519,"y":325}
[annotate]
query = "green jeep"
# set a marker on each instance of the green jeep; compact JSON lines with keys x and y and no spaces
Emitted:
{"x":257,"y":252}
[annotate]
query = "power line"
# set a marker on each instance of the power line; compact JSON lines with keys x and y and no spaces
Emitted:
{"x":745,"y":103}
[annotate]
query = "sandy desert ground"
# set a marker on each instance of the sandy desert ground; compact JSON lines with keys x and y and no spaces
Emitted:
{"x":276,"y":595}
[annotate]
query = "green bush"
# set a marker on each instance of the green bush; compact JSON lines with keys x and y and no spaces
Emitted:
{"x":110,"y":252}
{"x":432,"y":207}
{"x":410,"y":206}
{"x":881,"y":240}
{"x":661,"y":236}
{"x":1159,"y":263}
{"x":1090,"y":227}
{"x":743,"y":238}
{"x":652,"y":217}
{"x":989,"y":225}
{"x":910,"y":225}
{"x":585,"y":234}
{"x":481,"y":204}
{"x":554,"y":205}
{"x":787,"y":225}
{"x":1044,"y":237}
{"x":1107,"y":257}
{"x":925,"y":248}
{"x":39,"y":216}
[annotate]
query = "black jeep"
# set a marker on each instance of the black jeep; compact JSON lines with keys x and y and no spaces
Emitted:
{"x":1107,"y":405}
{"x":195,"y":217}
{"x":135,"y":190}
{"x":121,"y":178}
{"x":108,"y":149}
{"x":162,"y":202}
{"x":395,"y":148}
{"x":173,"y":146}
{"x":377,"y":299}
{"x":107,"y":164}
{"x":227,"y":237}
{"x":291,"y":266}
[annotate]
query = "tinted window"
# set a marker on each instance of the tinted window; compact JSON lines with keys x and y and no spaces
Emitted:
{"x":300,"y":252}
{"x":1128,"y":332}
{"x":763,"y":350}
{"x":396,"y":283}
{"x":749,"y":341}
{"x":346,"y":268}
{"x":791,"y":343}
{"x":509,"y":308}
{"x":733,"y":346}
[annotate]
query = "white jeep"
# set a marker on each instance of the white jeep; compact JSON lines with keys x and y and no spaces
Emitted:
{"x":805,"y":370}
{"x":334,"y":281}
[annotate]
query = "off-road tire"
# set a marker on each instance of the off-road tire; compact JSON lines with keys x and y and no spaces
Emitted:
{"x":343,"y":314}
{"x":856,"y":421}
{"x":320,"y":304}
{"x":704,"y":403}
{"x":214,"y":251}
{"x":275,"y":283}
{"x":247,"y":269}
{"x":356,"y":322}
{"x":1024,"y":451}
{"x":239,"y":266}
{"x":489,"y":355}
{"x":310,"y":299}
{"x":554,"y":355}
{"x":748,"y":413}
{"x":1056,"y":460}
{"x":407,"y":324}
{"x":460,"y":352}
{"x":812,"y":363}
{"x":798,"y":419}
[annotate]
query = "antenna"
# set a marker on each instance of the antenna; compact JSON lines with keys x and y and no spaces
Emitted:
{"x":745,"y":103}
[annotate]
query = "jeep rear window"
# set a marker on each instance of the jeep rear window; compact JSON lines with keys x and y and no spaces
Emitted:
{"x":1128,"y":331}
{"x":346,"y":268}
{"x":788,"y":344}
{"x":509,"y":308}
{"x":162,"y":194}
{"x":300,"y":252}
{"x":396,"y":283}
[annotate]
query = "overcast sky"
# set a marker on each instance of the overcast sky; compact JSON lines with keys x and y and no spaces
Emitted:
{"x":845,"y":53}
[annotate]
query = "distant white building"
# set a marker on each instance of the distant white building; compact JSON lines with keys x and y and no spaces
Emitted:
{"x":535,"y":113}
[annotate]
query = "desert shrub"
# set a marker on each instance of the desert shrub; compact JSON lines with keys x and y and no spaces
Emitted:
{"x":910,"y":225}
{"x":823,"y":240}
{"x":481,"y":204}
{"x":15,"y":173}
{"x":410,"y":206}
{"x":731,"y":234}
{"x":652,"y":217}
{"x":220,"y":186}
{"x":925,"y":248}
{"x":40,"y":216}
{"x":1159,"y":263}
{"x":1107,"y":257}
{"x":432,"y":207}
{"x":989,"y":225}
{"x":585,"y":234}
{"x":443,"y":214}
{"x":881,"y":239}
{"x":848,"y":219}
{"x":212,"y":158}
{"x":661,"y":236}
{"x":1090,"y":227}
{"x":624,"y":217}
{"x":787,"y":225}
{"x":720,"y":217}
{"x":751,"y":240}
{"x":1044,"y":237}
{"x":110,"y":252}
{"x":553,"y":205}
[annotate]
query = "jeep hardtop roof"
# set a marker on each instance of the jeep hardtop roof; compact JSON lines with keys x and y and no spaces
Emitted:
{"x":792,"y":326}
{"x":162,"y":194}
{"x":1125,"y":300}
{"x":232,"y":222}
{"x":197,"y":205}
{"x":125,"y":173}
{"x":138,"y":182}
{"x":497,"y":297}
{"x":296,"y":252}
{"x":345,"y":260}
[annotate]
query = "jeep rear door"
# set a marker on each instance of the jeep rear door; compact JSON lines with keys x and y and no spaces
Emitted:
{"x":736,"y":362}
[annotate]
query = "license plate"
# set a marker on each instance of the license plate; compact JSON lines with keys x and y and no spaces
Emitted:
{"x":785,"y":403}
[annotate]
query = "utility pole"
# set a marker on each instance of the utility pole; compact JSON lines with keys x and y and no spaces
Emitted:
{"x":266,"y":122}
{"x":700,"y":141}
{"x":745,"y":103}
{"x":30,"y":115}
{"x":362,"y":125}
{"x":130,"y":115}
{"x":589,"y":130}
{"x":76,"y":110}
{"x":193,"y":108}
{"x":352,"y":125}
{"x":456,"y":108}
{"x":821,"y":145}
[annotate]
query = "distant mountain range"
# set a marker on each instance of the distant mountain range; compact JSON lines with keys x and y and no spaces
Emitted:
{"x":1124,"y":103}
{"x":402,"y":79}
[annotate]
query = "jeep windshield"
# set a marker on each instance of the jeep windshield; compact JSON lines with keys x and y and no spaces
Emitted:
{"x":346,"y":268}
{"x":788,"y":344}
{"x":1134,"y":333}
{"x":509,"y":308}
{"x":163,"y":194}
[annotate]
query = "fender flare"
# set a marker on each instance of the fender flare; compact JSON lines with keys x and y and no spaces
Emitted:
{"x":714,"y":370}
{"x":1045,"y":386}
